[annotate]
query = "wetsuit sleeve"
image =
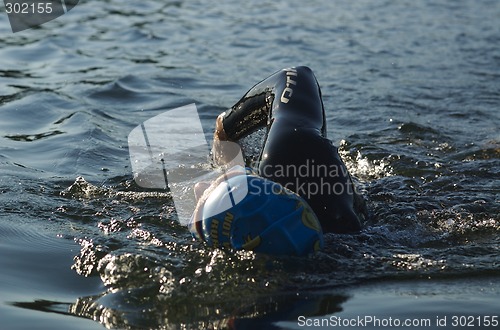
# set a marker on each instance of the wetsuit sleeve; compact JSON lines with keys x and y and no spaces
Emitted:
{"x":293,"y":92}
{"x":246,"y":116}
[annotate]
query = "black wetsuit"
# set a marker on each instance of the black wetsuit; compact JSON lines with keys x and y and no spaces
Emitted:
{"x":295,"y":151}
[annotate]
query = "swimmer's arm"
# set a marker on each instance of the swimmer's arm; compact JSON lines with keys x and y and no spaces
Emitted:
{"x":245,"y":117}
{"x":293,"y":90}
{"x":253,"y":111}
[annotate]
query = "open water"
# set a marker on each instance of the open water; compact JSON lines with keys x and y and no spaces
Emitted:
{"x":412,"y":92}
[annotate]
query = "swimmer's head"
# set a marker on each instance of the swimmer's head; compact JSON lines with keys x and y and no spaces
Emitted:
{"x":245,"y":211}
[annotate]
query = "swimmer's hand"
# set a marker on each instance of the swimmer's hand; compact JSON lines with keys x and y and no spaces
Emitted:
{"x":224,"y":152}
{"x":220,"y":134}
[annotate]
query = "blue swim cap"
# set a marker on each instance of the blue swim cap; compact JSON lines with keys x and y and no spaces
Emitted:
{"x":252,"y":213}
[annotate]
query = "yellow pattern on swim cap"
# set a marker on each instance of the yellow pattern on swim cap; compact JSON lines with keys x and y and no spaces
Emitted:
{"x":251,"y":244}
{"x":308,"y":217}
{"x":317,"y":246}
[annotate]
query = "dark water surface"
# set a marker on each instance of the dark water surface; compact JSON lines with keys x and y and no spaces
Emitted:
{"x":412,"y":92}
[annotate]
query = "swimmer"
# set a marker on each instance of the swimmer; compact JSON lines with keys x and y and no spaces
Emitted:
{"x":296,"y":155}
